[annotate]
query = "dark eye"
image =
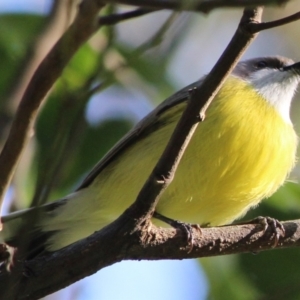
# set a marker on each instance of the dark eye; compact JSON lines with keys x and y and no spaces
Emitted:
{"x":261,"y":64}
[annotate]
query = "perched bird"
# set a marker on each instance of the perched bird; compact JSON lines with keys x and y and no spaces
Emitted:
{"x":241,"y":154}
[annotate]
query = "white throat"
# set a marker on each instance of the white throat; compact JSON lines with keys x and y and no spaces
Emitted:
{"x":277,"y":87}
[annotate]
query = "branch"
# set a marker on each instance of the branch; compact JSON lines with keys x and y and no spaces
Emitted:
{"x":56,"y":24}
{"x":267,"y":25}
{"x":117,"y":18}
{"x":51,"y":29}
{"x":196,"y":5}
{"x":114,"y":244}
{"x":43,"y":79}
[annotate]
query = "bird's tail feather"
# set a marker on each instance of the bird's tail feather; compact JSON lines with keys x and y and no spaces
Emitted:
{"x":21,"y":230}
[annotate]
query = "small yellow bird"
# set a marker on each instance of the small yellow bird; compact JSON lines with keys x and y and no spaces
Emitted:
{"x":242,"y":153}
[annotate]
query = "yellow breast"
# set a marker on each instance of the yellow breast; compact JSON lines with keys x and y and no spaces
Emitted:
{"x":240,"y":154}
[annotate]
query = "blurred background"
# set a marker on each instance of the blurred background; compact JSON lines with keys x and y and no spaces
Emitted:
{"x":111,"y":83}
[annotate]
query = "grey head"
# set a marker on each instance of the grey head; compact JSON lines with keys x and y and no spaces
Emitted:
{"x":246,"y":68}
{"x":275,"y":78}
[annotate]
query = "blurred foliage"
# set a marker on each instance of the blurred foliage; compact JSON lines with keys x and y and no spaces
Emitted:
{"x":66,"y":145}
{"x":16,"y":35}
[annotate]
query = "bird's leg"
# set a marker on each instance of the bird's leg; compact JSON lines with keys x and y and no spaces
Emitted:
{"x":186,"y":228}
{"x":267,"y":222}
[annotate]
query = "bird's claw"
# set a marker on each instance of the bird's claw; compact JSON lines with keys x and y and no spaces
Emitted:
{"x":186,"y":228}
{"x":276,"y":227}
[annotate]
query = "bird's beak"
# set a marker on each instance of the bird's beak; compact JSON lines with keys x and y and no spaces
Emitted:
{"x":294,"y":67}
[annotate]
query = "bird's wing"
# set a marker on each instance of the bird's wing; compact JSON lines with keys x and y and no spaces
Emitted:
{"x":38,"y":237}
{"x":137,"y":130}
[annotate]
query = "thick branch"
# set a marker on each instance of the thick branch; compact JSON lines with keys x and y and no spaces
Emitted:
{"x":46,"y":74}
{"x":112,"y":245}
{"x":196,"y":5}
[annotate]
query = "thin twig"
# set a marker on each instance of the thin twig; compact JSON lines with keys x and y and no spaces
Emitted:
{"x":117,"y":18}
{"x":158,"y":37}
{"x":268,"y":25}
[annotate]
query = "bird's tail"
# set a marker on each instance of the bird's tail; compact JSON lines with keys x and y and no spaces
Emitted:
{"x":21,"y":230}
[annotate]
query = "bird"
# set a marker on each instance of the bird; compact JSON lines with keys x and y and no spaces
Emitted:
{"x":239,"y":155}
